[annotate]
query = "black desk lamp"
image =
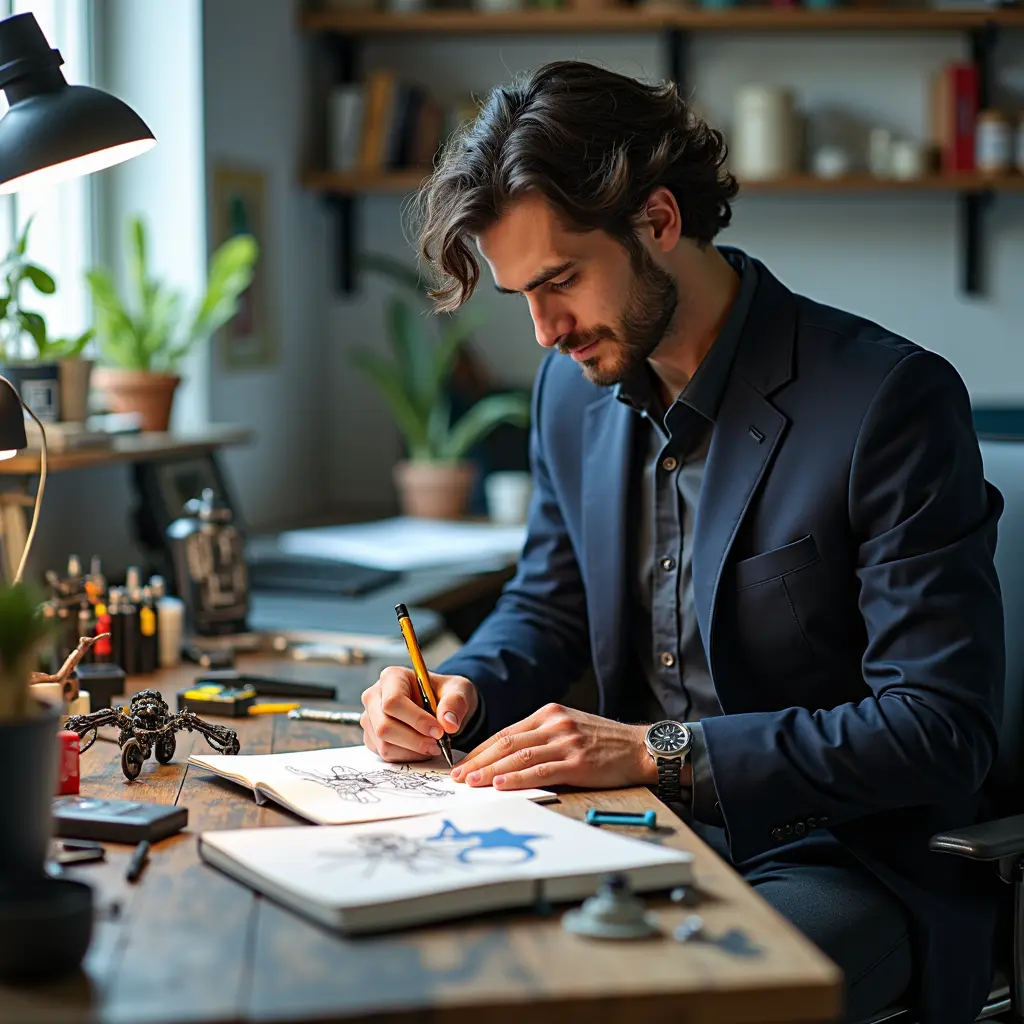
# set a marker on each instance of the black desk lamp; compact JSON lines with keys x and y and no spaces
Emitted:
{"x":52,"y":131}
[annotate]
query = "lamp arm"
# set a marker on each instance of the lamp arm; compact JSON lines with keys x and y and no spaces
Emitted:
{"x":39,"y":490}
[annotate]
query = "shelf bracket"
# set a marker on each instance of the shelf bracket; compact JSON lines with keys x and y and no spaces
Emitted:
{"x":972,"y":209}
{"x":343,"y":208}
{"x":675,"y":53}
{"x":344,"y":57}
{"x":983,"y":44}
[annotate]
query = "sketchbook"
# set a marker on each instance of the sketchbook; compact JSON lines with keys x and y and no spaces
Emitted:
{"x":349,"y":784}
{"x":395,"y":874}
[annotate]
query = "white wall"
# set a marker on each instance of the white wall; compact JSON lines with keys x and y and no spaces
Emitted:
{"x":893,"y":258}
{"x":255,"y":70}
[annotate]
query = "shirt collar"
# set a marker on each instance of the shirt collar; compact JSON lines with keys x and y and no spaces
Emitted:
{"x":704,"y":390}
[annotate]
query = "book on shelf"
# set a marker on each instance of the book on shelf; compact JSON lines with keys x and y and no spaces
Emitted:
{"x":340,"y":785}
{"x":468,"y":860}
{"x":954,"y":116}
{"x":385,"y":123}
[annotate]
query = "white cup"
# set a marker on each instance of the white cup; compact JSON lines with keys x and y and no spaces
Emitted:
{"x":508,"y":496}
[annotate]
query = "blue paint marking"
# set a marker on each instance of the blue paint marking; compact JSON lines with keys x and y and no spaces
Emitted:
{"x":493,"y":839}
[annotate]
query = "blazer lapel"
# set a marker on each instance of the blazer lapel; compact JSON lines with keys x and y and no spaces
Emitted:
{"x":608,"y":427}
{"x":748,"y":430}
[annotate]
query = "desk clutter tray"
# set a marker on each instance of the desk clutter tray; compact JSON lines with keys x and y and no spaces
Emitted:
{"x":212,"y":698}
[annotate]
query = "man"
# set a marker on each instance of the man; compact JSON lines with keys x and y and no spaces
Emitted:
{"x":761,"y":520}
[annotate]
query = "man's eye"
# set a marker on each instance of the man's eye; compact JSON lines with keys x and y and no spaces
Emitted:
{"x":567,"y":283}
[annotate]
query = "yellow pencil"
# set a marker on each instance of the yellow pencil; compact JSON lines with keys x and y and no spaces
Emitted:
{"x":272,"y":709}
{"x":422,"y":676}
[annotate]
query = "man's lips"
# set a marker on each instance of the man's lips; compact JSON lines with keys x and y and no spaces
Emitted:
{"x":585,"y":351}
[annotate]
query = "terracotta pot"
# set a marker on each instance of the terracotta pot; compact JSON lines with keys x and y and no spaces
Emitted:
{"x":434,"y":490}
{"x":149,"y":394}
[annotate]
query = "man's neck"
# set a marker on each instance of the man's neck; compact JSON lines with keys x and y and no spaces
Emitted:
{"x":708,"y":286}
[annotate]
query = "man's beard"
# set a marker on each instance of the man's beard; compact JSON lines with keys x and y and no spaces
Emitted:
{"x":648,"y":314}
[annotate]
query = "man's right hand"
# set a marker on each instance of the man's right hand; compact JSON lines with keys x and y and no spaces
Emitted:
{"x":396,"y":726}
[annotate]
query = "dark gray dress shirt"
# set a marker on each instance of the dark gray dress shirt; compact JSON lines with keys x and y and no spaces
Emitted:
{"x":677,"y":682}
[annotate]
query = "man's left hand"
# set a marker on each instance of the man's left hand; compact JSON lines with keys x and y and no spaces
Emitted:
{"x":560,"y":746}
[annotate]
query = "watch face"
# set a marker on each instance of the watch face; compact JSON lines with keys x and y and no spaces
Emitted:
{"x":668,"y":737}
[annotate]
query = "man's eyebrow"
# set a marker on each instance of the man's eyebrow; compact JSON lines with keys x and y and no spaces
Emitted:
{"x":541,"y":278}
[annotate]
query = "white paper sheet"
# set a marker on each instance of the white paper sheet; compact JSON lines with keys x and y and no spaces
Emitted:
{"x":406,"y":543}
{"x":351,"y":784}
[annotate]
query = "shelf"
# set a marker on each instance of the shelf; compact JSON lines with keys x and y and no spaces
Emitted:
{"x":403,"y":182}
{"x":142,"y":447}
{"x":636,"y":20}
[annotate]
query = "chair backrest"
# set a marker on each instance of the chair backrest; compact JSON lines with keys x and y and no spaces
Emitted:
{"x":1004,"y":468}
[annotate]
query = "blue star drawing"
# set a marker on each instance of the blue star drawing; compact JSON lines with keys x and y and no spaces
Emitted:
{"x":494,"y":846}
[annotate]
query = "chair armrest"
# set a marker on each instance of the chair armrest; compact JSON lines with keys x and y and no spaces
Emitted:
{"x":988,"y":840}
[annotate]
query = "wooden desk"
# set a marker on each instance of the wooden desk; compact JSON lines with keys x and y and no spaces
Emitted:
{"x":191,"y":944}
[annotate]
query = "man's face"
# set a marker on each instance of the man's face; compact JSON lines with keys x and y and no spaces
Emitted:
{"x":586,"y":296}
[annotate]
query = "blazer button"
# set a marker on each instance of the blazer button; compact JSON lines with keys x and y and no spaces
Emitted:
{"x":800,"y":828}
{"x":777,"y":834}
{"x":823,"y":821}
{"x":811,"y":824}
{"x":788,"y":830}
{"x":668,"y":464}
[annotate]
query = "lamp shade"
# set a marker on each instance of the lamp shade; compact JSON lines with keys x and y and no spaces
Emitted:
{"x":12,"y":421}
{"x":53,"y":130}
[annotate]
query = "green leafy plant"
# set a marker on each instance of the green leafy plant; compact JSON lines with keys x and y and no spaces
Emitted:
{"x":23,"y":633}
{"x":414,"y":383}
{"x":149,"y":330}
{"x":16,"y":322}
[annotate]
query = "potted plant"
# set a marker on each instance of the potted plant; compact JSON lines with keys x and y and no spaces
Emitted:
{"x":435,"y":478}
{"x":36,"y":378}
{"x":144,"y":337}
{"x":28,"y":735}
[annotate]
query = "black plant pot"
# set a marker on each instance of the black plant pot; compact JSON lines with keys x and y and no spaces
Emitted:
{"x":38,"y":384}
{"x":28,"y":765}
{"x":45,"y":923}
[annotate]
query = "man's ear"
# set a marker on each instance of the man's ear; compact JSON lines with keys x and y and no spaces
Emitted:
{"x":661,"y":219}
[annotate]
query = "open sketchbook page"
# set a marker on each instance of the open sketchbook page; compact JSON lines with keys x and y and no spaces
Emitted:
{"x":348,"y":784}
{"x":466,"y":860}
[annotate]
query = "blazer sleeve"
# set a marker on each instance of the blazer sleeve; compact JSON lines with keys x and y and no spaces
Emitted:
{"x":924,"y":521}
{"x":535,"y":643}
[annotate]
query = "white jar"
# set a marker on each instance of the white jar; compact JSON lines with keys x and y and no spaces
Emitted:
{"x":764,"y":133}
{"x":993,"y":142}
{"x":907,"y":160}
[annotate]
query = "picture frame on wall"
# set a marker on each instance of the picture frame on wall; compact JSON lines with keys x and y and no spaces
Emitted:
{"x":249,"y":340}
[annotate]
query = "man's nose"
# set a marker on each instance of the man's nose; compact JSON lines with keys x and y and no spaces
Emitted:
{"x":549,"y":325}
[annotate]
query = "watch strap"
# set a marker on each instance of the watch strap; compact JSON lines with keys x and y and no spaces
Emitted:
{"x":669,"y":788}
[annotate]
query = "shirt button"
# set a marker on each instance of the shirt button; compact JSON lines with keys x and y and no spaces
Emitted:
{"x":668,"y":659}
{"x":800,"y":828}
{"x":777,"y":834}
{"x":668,"y":564}
{"x":668,"y":464}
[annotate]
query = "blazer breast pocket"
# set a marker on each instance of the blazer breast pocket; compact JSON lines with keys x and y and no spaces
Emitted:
{"x":771,"y":635}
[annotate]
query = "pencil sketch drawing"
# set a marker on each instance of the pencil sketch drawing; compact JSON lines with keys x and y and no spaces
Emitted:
{"x":367,"y":787}
{"x":449,"y":848}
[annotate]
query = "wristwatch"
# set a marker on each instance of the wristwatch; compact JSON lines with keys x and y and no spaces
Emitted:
{"x":669,"y":743}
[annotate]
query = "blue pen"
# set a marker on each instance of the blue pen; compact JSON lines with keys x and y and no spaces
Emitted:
{"x":647,"y":819}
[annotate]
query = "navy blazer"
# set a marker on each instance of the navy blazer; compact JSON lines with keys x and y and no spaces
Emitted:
{"x":846,"y":597}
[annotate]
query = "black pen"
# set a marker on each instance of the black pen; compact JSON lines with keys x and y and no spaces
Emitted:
{"x":138,"y":861}
{"x":422,"y":676}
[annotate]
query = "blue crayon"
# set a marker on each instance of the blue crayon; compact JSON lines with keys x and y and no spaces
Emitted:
{"x":647,"y":819}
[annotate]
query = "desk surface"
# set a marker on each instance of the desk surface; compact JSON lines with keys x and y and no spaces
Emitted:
{"x":129,"y":448}
{"x":191,"y":944}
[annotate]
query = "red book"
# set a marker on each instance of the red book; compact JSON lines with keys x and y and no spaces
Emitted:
{"x":955,"y":112}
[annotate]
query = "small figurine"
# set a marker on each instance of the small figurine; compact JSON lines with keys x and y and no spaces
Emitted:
{"x":66,"y":676}
{"x":149,"y":724}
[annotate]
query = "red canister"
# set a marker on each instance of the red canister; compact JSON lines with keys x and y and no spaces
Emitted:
{"x":67,"y":774}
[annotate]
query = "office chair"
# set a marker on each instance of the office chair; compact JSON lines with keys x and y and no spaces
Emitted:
{"x":1000,"y":842}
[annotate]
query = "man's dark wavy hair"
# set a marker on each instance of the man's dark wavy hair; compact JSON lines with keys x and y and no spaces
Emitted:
{"x":594,"y":143}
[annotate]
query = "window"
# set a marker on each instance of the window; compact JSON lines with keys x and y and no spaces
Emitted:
{"x":60,"y":239}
